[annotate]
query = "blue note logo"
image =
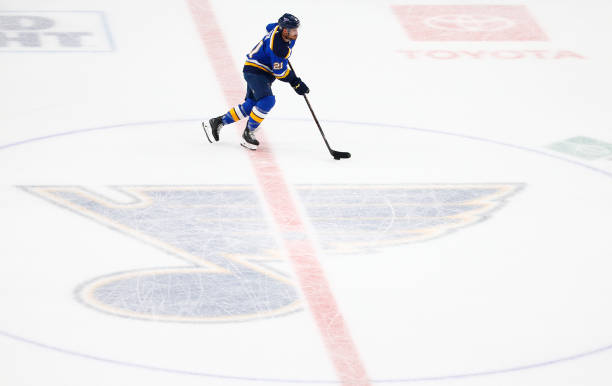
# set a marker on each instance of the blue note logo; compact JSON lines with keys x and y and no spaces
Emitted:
{"x":232,"y":267}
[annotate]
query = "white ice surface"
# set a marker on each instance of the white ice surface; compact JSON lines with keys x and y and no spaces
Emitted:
{"x":527,"y":285}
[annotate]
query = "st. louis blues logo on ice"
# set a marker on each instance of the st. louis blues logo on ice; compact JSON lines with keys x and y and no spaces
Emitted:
{"x":233,"y":268}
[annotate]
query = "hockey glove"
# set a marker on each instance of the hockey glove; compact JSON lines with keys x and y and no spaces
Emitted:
{"x":300,"y":87}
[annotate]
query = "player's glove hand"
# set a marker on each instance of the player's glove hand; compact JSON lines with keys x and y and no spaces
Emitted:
{"x":300,"y":87}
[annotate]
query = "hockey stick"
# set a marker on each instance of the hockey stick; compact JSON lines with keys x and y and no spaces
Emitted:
{"x":336,"y":154}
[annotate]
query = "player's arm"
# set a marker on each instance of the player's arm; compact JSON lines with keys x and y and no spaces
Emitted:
{"x":282,"y":52}
{"x":283,"y":73}
{"x":289,"y":76}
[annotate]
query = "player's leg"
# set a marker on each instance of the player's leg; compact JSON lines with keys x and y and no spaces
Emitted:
{"x":236,"y":113}
{"x":264,"y":101}
{"x":258,"y":114}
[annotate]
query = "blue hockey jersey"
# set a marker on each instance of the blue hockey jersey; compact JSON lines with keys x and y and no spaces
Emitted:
{"x":271,"y":55}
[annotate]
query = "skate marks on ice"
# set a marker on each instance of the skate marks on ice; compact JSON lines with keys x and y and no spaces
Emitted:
{"x":220,"y":232}
{"x":363,"y":218}
{"x":235,"y":270}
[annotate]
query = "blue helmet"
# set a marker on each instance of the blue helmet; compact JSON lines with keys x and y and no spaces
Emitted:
{"x":288,"y":21}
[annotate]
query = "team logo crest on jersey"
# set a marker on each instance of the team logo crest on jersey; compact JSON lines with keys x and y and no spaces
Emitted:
{"x":232,"y":267}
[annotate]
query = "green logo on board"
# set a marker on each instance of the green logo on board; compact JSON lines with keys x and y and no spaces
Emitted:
{"x":583,"y":147}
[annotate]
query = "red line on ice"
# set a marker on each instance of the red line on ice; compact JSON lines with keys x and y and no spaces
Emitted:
{"x":299,"y":247}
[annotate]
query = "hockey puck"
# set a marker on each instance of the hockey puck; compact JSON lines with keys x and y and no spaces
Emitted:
{"x":336,"y":157}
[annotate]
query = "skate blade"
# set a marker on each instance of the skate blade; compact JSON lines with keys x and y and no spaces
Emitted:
{"x":247,"y":145}
{"x":206,"y":129}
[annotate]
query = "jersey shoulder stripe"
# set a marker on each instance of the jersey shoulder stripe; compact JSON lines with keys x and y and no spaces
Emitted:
{"x":272,"y":38}
{"x":271,"y":54}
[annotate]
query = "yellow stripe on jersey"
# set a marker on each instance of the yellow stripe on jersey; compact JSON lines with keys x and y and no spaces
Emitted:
{"x":256,"y":65}
{"x":283,"y":75}
{"x":255,"y":117}
{"x":272,"y":38}
{"x":234,"y":115}
{"x":288,"y":54}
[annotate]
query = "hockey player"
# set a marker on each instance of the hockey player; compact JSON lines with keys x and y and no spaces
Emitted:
{"x":266,"y":62}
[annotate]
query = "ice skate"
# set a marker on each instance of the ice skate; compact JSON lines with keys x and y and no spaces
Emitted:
{"x":212,"y":128}
{"x":249,"y":140}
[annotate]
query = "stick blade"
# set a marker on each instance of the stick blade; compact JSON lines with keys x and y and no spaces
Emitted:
{"x":340,"y":154}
